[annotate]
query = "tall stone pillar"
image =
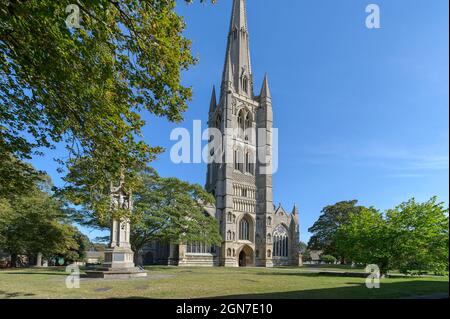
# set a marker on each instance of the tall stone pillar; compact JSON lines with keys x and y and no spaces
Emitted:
{"x":119,"y":258}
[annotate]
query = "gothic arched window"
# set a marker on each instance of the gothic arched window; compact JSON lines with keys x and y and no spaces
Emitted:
{"x":236,"y":160}
{"x":247,"y":162}
{"x":199,"y":248}
{"x":239,"y":161}
{"x":244,"y":230}
{"x":280,"y":242}
{"x":248,"y":121}
{"x":241,"y":123}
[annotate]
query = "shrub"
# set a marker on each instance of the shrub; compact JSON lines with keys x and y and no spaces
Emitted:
{"x":328,"y":259}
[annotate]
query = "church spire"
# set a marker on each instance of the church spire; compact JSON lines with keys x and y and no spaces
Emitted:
{"x":265,"y":90}
{"x":295,"y":210}
{"x":237,"y":61}
{"x":213,"y":104}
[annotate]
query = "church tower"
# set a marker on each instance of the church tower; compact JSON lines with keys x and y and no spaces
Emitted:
{"x":241,"y":180}
{"x":254,"y":232}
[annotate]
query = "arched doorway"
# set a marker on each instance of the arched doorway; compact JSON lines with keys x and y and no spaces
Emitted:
{"x":242,"y":259}
{"x":246,"y":257}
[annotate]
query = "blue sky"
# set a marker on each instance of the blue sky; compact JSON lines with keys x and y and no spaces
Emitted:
{"x":362,"y":114}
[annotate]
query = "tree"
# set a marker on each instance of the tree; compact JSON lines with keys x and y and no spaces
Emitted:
{"x":420,"y":236}
{"x":77,"y":253}
{"x":328,"y":259}
{"x":35,"y":223}
{"x":16,"y":176}
{"x":413,"y":238}
{"x":306,"y":256}
{"x":170,"y":210}
{"x":325,"y":228}
{"x":302,"y":247}
{"x":87,"y":86}
{"x":164,"y":209}
{"x":366,"y":239}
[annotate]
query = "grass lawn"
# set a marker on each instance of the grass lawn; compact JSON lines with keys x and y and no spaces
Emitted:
{"x":185,"y":283}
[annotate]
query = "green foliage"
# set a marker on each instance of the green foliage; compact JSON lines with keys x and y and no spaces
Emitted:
{"x":328,"y":259}
{"x":35,"y":223}
{"x":77,"y":253}
{"x":325,"y":228}
{"x":420,"y":236}
{"x":306,"y":256}
{"x":164,"y":209}
{"x":365,"y":239}
{"x":413,"y":238}
{"x":96,"y":246}
{"x":87,"y":87}
{"x":16,"y":176}
{"x":302,"y":247}
{"x":170,"y":210}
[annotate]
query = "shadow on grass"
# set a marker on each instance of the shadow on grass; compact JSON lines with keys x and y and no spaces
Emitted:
{"x":8,"y":295}
{"x":37,"y":273}
{"x":356,"y":290}
{"x":407,"y":290}
{"x":299,"y":274}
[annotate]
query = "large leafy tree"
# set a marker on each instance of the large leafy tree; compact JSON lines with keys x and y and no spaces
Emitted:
{"x":170,"y":210}
{"x":413,"y":237}
{"x":365,"y":239}
{"x":165,"y":210}
{"x":87,"y":86}
{"x":16,"y":176}
{"x":325,"y":228}
{"x":78,"y":252}
{"x":35,"y":223}
{"x":420,"y":236}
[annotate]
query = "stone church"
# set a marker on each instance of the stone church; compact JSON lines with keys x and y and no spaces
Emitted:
{"x":254,"y":231}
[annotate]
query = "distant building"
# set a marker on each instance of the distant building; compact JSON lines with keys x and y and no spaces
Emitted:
{"x":315,"y":257}
{"x":95,"y":257}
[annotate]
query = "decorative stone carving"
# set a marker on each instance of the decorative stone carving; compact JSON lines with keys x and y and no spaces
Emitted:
{"x":119,"y":257}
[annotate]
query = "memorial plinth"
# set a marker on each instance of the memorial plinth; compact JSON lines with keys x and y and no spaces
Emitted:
{"x":119,"y":258}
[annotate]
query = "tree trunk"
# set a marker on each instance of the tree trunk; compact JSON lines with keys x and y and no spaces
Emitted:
{"x":137,"y":256}
{"x":13,"y":260}
{"x":136,"y":247}
{"x":39,"y":260}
